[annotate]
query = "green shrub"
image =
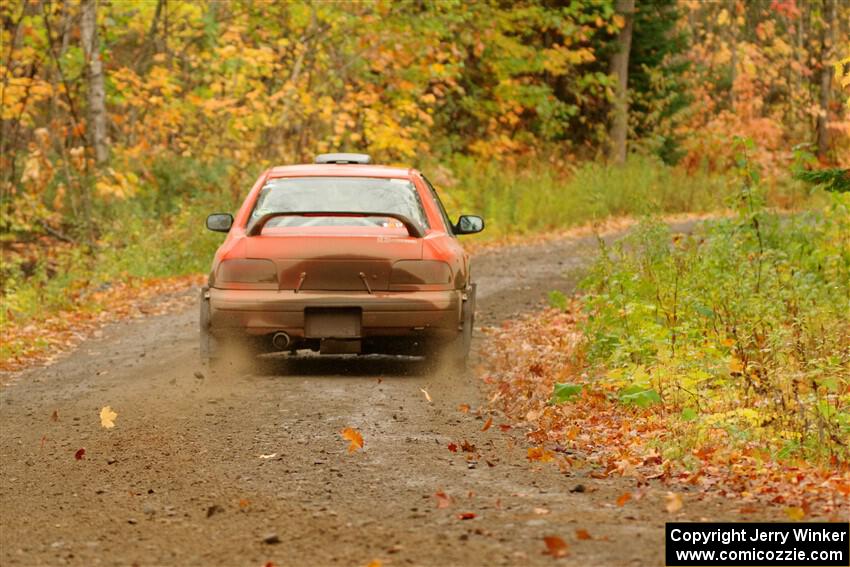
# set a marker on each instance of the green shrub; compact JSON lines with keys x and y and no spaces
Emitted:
{"x":741,"y":325}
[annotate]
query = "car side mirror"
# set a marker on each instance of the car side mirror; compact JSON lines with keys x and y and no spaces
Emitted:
{"x":468,"y":224}
{"x":220,"y":222}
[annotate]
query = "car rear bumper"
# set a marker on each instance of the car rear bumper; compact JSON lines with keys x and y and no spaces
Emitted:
{"x":383,"y":314}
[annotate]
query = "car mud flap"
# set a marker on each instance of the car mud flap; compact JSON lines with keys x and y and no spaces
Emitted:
{"x":207,"y":341}
{"x":340,"y":346}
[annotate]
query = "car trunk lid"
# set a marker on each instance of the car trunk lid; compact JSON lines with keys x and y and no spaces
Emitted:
{"x":335,"y":262}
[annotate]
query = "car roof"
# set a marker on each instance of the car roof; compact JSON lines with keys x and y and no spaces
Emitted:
{"x":340,"y":170}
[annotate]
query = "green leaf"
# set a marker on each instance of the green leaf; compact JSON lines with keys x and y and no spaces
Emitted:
{"x":689,"y":414}
{"x":703,"y":310}
{"x":788,"y":449}
{"x":565,"y":392}
{"x":635,"y":395}
{"x":558,"y":300}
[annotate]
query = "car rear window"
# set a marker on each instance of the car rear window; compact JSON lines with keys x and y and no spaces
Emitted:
{"x":339,"y":194}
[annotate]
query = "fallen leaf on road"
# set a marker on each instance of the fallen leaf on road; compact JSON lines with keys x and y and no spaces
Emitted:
{"x":244,"y":503}
{"x":466,"y":516}
{"x":505,"y":427}
{"x":540,"y":454}
{"x":54,"y":416}
{"x":80,"y":454}
{"x":624,"y":497}
{"x":375,"y":563}
{"x":555,"y":546}
{"x":487,"y":424}
{"x":443,"y":499}
{"x":674,"y":502}
{"x":269,"y":456}
{"x":107,"y":417}
{"x":467,"y":446}
{"x":452,"y":447}
{"x":583,"y":534}
{"x":351,"y":434}
{"x":464,"y":408}
{"x":427,"y":395}
{"x":795,"y":513}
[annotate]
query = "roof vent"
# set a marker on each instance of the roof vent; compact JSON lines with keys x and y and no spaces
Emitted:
{"x":344,"y":158}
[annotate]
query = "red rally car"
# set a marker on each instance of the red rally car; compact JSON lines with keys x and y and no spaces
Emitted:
{"x":339,"y":257}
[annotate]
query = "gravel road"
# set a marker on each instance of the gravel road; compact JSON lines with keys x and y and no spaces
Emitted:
{"x":247,"y":469}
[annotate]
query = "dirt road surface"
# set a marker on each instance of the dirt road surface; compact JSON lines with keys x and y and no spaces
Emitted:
{"x":245,"y":469}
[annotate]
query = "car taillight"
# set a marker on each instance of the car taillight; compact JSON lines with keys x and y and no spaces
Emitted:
{"x":256,"y":274}
{"x":413,"y":274}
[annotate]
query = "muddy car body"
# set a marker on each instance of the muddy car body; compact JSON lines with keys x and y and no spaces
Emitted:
{"x":340,"y":257}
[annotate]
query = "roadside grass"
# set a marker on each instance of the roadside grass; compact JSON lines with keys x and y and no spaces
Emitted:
{"x":719,"y":359}
{"x":541,"y":198}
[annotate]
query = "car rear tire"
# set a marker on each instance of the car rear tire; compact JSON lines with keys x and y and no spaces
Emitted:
{"x":231,"y":354}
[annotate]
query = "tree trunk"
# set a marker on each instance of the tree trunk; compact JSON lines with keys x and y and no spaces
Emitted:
{"x":96,"y":91}
{"x":620,"y":69}
{"x":150,"y":46}
{"x":733,"y":47}
{"x":826,"y":57}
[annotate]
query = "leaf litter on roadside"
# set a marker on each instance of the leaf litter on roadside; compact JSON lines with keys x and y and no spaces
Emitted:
{"x":540,"y":454}
{"x":39,"y":343}
{"x":528,"y":359}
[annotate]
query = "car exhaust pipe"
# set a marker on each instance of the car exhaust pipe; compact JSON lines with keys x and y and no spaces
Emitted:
{"x":281,"y":341}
